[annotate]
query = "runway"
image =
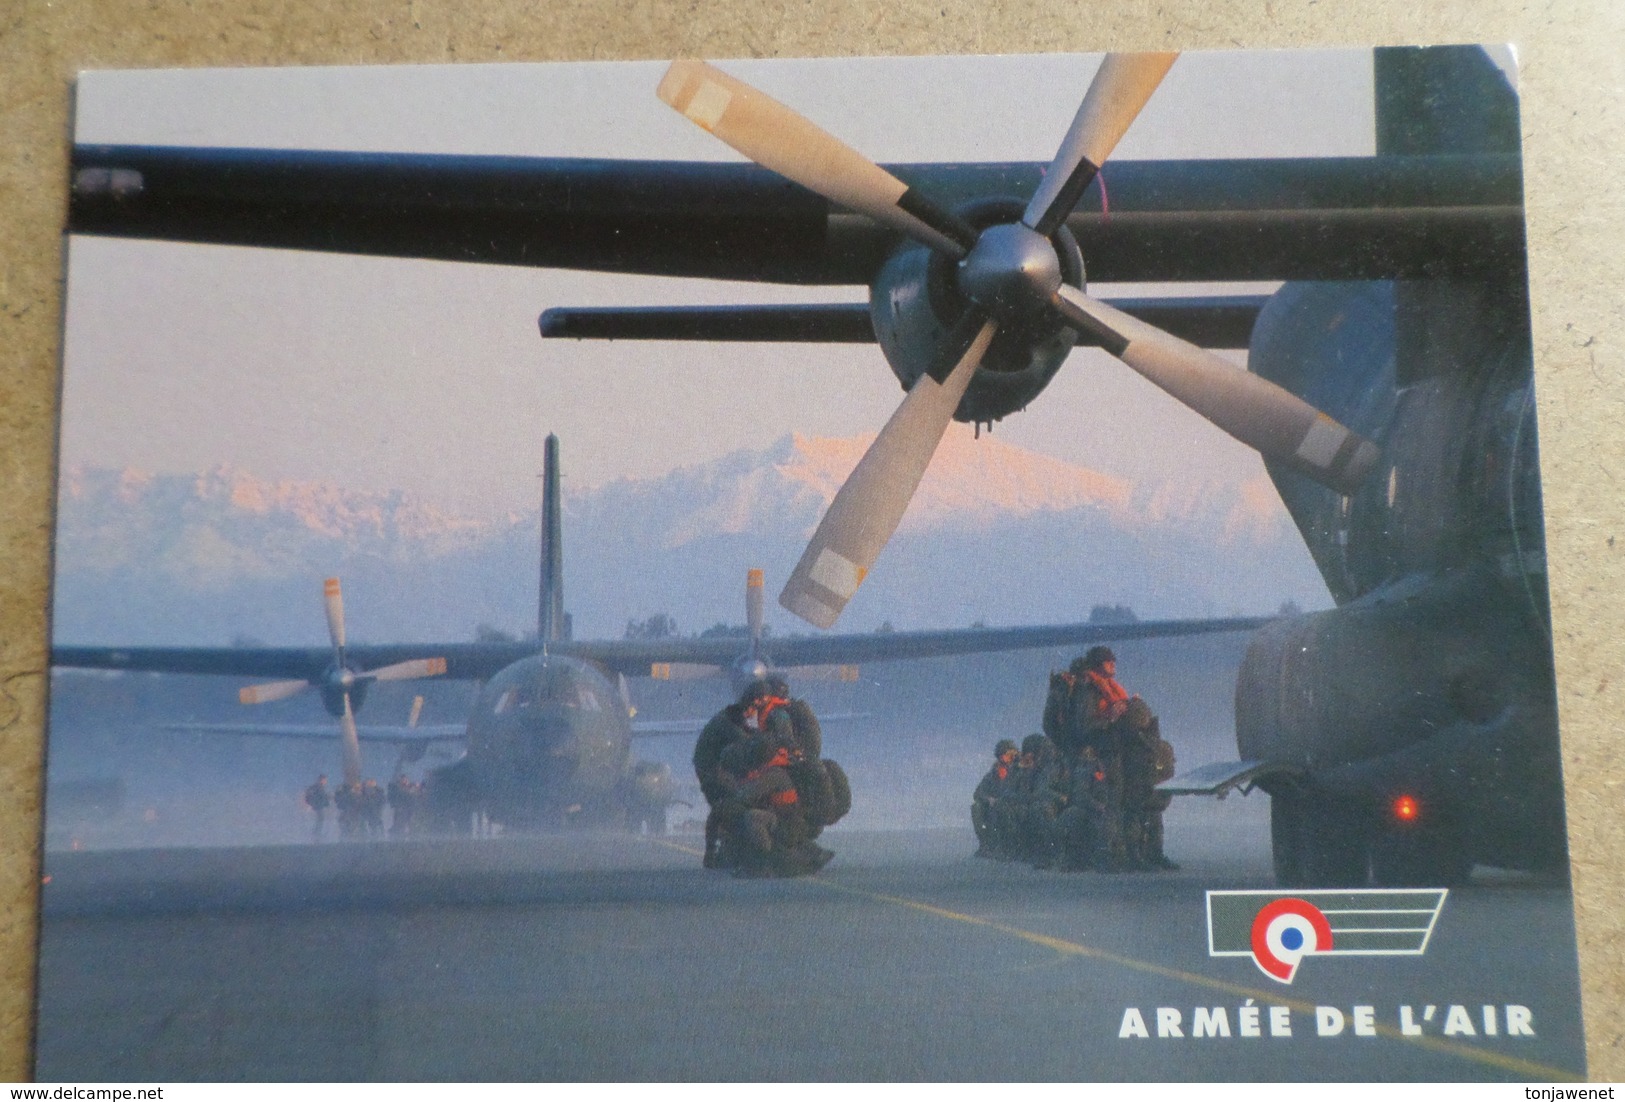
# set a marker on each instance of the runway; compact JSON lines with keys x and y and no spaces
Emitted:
{"x":602,"y":957}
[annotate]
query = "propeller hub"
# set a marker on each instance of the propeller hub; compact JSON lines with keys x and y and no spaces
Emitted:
{"x":339,"y":682}
{"x":1012,"y":272}
{"x":746,"y":671}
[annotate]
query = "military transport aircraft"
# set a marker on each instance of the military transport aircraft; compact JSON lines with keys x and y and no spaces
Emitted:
{"x":1411,"y":731}
{"x":1404,"y":735}
{"x":549,"y":736}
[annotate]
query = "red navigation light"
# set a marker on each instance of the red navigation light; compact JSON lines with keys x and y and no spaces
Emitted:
{"x":1406,"y":809}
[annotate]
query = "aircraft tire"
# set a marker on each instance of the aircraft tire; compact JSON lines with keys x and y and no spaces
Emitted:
{"x":1315,"y":842}
{"x":1419,"y":861}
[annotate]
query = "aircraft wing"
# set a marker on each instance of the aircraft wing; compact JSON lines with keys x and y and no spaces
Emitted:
{"x":632,"y":657}
{"x":635,"y":657}
{"x":465,"y":661}
{"x":422,"y":735}
{"x":654,"y":728}
{"x":1384,"y":217}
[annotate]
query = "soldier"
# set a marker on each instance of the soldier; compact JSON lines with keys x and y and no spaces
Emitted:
{"x":763,"y":815}
{"x":985,"y":800}
{"x":402,"y":798}
{"x":1044,"y":802}
{"x":347,"y":803}
{"x":1061,"y":721}
{"x":318,"y":800}
{"x":1083,"y":832}
{"x":1020,"y":814}
{"x":1128,"y":741}
{"x":647,"y":793}
{"x":821,"y":784}
{"x":372,"y":808}
{"x":804,"y":724}
{"x":727,"y":727}
{"x":1147,"y":761}
{"x":1007,"y":819}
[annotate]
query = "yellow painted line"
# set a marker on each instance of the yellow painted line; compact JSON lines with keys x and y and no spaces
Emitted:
{"x":1529,"y":1069}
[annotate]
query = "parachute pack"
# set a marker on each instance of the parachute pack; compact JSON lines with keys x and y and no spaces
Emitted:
{"x":825,"y":794}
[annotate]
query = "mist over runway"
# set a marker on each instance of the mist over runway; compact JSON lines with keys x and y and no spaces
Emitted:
{"x":612,"y":957}
{"x":196,"y":934}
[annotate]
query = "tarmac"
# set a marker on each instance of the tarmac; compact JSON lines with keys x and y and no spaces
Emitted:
{"x":595,"y":958}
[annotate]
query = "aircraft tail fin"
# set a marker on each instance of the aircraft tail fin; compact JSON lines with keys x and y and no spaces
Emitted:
{"x":1443,"y":99}
{"x":753,"y":611}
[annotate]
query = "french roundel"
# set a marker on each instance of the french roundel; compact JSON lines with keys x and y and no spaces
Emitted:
{"x":1284,"y":932}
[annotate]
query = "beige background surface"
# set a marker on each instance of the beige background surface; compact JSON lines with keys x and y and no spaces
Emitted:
{"x":1573,"y":85}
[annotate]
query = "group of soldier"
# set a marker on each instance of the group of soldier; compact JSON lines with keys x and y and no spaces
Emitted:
{"x":770,"y":792}
{"x":1082,"y":795}
{"x":359,"y":806}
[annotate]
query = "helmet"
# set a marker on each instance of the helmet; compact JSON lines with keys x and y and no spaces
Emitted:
{"x":1033,"y":744}
{"x":777,"y":685}
{"x":1098,"y":657}
{"x":756,"y":690}
{"x":1005,"y":746}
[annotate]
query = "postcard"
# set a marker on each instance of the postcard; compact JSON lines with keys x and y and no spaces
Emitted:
{"x":1019,"y":568}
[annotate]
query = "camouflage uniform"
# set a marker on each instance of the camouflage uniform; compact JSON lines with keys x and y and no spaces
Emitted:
{"x":1061,"y":720}
{"x":763,"y":815}
{"x":1044,"y":804}
{"x":1083,"y":829}
{"x":402,"y":803}
{"x":985,"y":800}
{"x":1027,"y":813}
{"x":1147,"y":761}
{"x":372,"y":808}
{"x":347,"y":802}
{"x":725,"y":729}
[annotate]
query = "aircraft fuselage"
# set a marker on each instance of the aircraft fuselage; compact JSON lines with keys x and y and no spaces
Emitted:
{"x":549,"y":742}
{"x":1421,"y":711}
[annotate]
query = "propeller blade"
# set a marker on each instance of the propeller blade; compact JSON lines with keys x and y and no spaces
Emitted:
{"x":406,"y":671}
{"x":753,"y":611}
{"x":276,"y":690}
{"x":351,"y":742}
{"x":335,"y":613}
{"x":625,"y":695}
{"x":1122,"y":85}
{"x":868,"y":508}
{"x":778,"y":138}
{"x":417,"y":712}
{"x":1266,"y":417}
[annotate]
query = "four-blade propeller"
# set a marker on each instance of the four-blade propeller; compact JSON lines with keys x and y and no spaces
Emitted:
{"x":340,"y":683}
{"x":1009,"y":272}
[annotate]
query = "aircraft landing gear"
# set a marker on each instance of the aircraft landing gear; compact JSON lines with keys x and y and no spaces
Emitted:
{"x":1317,"y":842}
{"x":1322,"y":842}
{"x":1422,"y":859}
{"x":450,"y":803}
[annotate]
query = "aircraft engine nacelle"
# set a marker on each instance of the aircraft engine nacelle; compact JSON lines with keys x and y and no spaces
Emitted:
{"x":915,"y":300}
{"x":1427,"y":706}
{"x":1388,"y":670}
{"x":332,"y":688}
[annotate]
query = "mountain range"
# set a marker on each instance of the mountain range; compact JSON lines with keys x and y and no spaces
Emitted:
{"x":996,"y":534}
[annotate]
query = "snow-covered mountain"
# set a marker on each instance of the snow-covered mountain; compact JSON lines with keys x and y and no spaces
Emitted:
{"x":995,"y":534}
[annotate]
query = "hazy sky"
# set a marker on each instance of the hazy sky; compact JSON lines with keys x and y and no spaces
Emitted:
{"x":430,"y":376}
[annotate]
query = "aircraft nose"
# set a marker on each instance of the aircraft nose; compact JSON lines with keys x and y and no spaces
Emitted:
{"x":546,"y":730}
